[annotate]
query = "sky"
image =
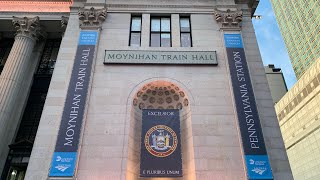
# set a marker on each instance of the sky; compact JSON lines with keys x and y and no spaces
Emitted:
{"x":271,"y":45}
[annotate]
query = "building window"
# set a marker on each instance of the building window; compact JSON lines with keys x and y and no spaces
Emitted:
{"x":160,"y":35}
{"x":185,"y":32}
{"x":5,"y":48}
{"x":135,"y":31}
{"x":49,"y":56}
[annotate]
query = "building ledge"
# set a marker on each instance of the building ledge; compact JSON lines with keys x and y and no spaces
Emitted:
{"x":35,"y":6}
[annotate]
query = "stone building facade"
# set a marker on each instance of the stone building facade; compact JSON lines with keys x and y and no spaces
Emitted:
{"x":123,"y":41}
{"x":298,"y":113}
{"x":277,"y":84}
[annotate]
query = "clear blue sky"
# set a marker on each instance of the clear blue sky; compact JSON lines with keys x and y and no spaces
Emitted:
{"x":271,"y":45}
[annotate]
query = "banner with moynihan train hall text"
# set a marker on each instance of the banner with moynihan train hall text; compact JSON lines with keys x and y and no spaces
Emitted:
{"x":64,"y":159}
{"x":160,"y":143}
{"x":256,"y":157}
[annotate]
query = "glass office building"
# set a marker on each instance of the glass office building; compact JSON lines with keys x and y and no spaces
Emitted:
{"x":299,"y":23}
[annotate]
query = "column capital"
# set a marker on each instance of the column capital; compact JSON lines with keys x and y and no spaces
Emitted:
{"x":92,"y":18}
{"x":29,"y":27}
{"x":64,"y":22}
{"x":228,"y":19}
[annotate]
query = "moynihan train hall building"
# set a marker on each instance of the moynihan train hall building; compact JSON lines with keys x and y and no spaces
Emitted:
{"x":135,"y":90}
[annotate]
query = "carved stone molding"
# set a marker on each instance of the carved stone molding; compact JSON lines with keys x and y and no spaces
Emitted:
{"x":64,"y":22}
{"x":228,"y":19}
{"x":92,"y":18}
{"x":29,"y":27}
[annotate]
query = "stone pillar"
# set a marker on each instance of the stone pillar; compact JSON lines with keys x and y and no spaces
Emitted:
{"x":13,"y":80}
{"x":64,"y":23}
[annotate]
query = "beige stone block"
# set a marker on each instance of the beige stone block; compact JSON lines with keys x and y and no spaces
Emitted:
{"x":203,"y":22}
{"x":271,"y":132}
{"x":282,"y":175}
{"x":227,"y":120}
{"x":106,"y":129}
{"x":108,"y":109}
{"x":52,"y":110}
{"x":36,"y":175}
{"x":105,"y":140}
{"x":216,"y":110}
{"x":105,"y":118}
{"x":57,"y":93}
{"x":117,"y":21}
{"x":98,"y":163}
{"x":213,"y":130}
{"x":39,"y":163}
{"x":213,"y":101}
{"x":88,"y":152}
{"x":274,"y":142}
{"x":98,"y":174}
{"x":175,"y":30}
{"x":223,"y":141}
{"x":55,"y":101}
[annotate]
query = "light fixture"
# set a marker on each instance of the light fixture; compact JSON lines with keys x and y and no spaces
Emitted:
{"x":13,"y":173}
{"x":257,"y":16}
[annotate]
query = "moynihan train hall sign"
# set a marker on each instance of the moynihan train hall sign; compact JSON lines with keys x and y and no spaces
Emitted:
{"x":160,"y":57}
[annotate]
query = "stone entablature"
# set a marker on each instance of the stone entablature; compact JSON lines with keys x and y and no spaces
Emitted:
{"x":228,"y":19}
{"x":91,"y":18}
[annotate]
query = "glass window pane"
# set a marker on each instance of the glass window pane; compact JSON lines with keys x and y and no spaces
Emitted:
{"x":165,"y":24}
{"x":136,"y":24}
{"x":165,"y":40}
{"x":155,"y":39}
{"x":155,"y":24}
{"x":185,"y":40}
{"x":184,"y":25}
{"x":135,"y":40}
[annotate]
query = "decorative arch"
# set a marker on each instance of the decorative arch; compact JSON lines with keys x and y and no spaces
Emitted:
{"x":159,"y":94}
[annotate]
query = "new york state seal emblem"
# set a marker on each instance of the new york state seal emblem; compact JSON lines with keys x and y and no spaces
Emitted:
{"x":161,"y":141}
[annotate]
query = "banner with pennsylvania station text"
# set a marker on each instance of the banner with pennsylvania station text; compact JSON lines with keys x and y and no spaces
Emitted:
{"x":160,"y":143}
{"x":256,"y":158}
{"x":64,"y":158}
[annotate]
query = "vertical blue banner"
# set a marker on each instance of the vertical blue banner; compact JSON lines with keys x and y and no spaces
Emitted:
{"x":64,"y":159}
{"x":255,"y":152}
{"x":160,"y":143}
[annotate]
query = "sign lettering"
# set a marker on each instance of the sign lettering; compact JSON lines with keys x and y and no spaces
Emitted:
{"x":159,"y":57}
{"x":160,"y":144}
{"x":65,"y":154}
{"x":255,"y":152}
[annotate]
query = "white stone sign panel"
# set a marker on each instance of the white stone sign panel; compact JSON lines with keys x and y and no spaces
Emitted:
{"x":160,"y":57}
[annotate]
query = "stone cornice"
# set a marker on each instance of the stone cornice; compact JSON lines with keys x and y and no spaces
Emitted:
{"x":92,"y":18}
{"x":228,"y":19}
{"x":29,"y":27}
{"x":35,"y":6}
{"x":36,"y":2}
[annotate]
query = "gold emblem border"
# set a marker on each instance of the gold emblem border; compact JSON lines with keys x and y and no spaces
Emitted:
{"x":174,"y":135}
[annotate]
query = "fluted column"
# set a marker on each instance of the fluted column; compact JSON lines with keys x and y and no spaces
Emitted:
{"x":14,"y":80}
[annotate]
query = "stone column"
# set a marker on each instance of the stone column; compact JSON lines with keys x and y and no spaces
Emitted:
{"x":13,"y":80}
{"x":64,"y":23}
